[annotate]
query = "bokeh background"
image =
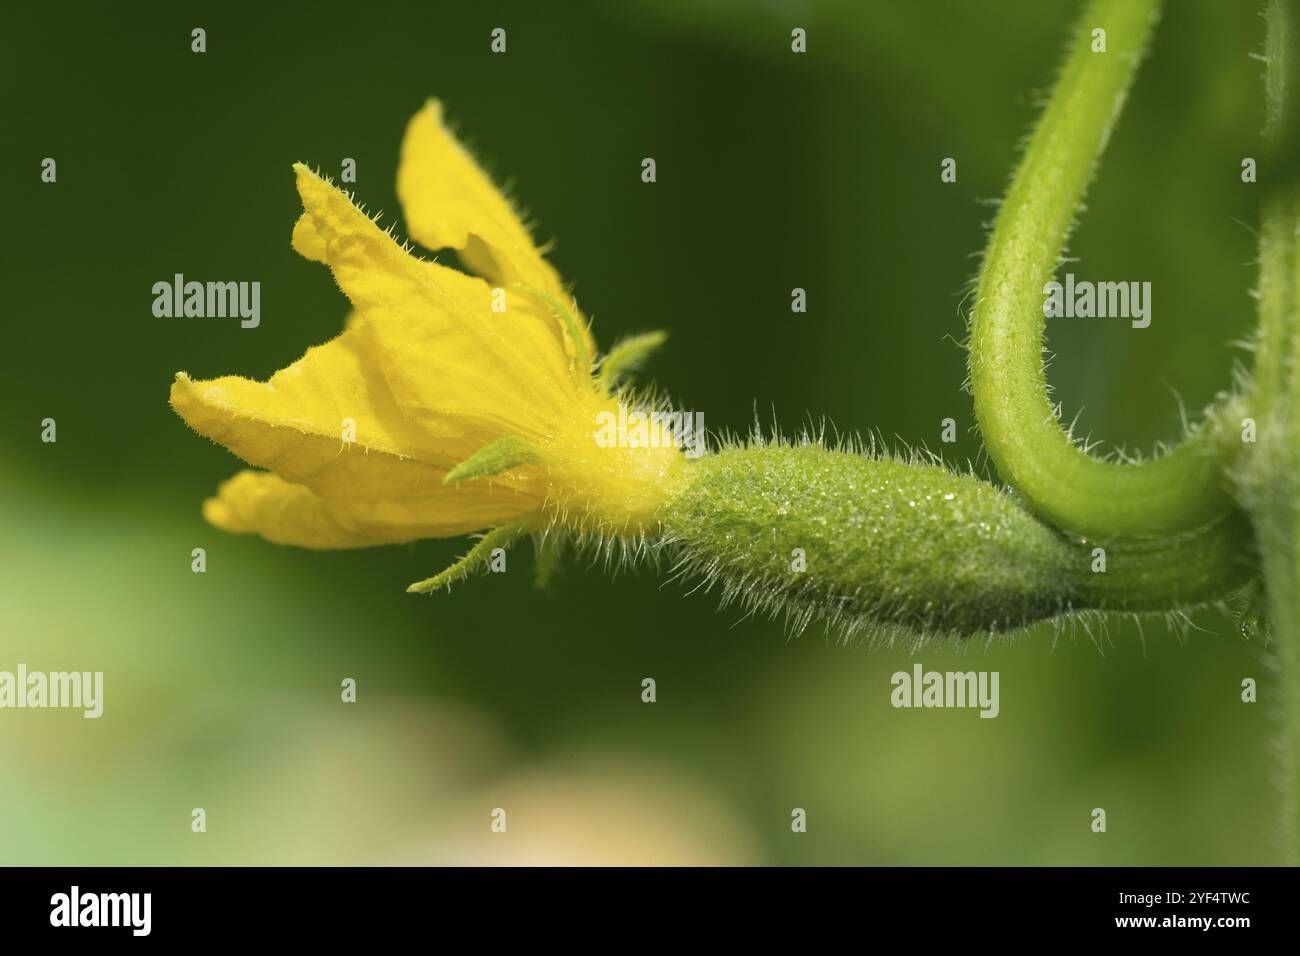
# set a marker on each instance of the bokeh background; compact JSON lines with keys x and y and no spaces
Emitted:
{"x":775,"y":170}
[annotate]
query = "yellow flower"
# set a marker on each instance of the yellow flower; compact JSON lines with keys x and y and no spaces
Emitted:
{"x":451,"y":403}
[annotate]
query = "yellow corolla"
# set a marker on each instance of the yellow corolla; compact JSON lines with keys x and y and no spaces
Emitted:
{"x":451,"y":403}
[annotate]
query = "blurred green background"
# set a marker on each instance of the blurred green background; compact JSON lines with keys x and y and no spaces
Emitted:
{"x":775,"y":170}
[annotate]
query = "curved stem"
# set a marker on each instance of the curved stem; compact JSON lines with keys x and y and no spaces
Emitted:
{"x":1177,"y":492}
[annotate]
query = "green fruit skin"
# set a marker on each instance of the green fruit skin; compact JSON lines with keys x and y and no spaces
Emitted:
{"x":911,"y":545}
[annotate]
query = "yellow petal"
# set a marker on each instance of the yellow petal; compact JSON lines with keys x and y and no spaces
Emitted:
{"x":286,"y":513}
{"x":296,"y":425}
{"x":454,"y":367}
{"x":448,"y":202}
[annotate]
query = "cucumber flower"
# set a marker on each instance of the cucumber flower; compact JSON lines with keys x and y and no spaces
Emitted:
{"x":452,"y":402}
{"x":455,"y":403}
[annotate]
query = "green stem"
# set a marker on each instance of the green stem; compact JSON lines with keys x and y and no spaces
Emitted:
{"x":1277,"y":279}
{"x":1270,"y":489}
{"x":1176,"y":492}
{"x":1276,"y":294}
{"x":1155,"y":574}
{"x":1278,"y":401}
{"x":1282,"y":574}
{"x":1267,"y":476}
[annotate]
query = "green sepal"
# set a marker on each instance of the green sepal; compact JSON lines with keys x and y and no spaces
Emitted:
{"x":570,"y":324}
{"x":505,"y":453}
{"x":628,"y":356}
{"x":478,"y":555}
